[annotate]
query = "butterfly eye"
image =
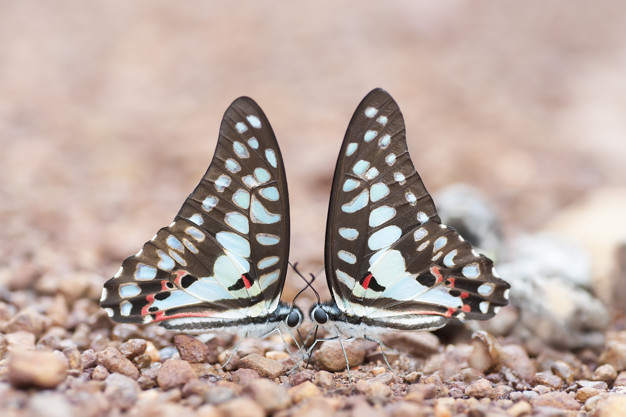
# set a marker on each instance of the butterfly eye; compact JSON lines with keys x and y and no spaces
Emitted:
{"x":319,"y":315}
{"x":293,"y":319}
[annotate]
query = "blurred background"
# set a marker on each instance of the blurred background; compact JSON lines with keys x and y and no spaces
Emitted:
{"x":110,"y":110}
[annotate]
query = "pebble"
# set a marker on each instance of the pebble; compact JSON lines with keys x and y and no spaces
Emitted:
{"x":100,"y":373}
{"x":479,"y":389}
{"x":418,"y":344}
{"x":174,"y":373}
{"x":27,"y":320}
{"x":20,"y":341}
{"x":219,"y":394}
{"x":330,"y":356}
{"x":584,"y":393}
{"x":548,"y":379}
{"x":277,"y":355}
{"x":515,"y":358}
{"x":615,"y":355}
{"x":606,"y":373}
{"x":114,"y":361}
{"x":265,"y":367}
{"x":191,"y":349}
{"x":122,"y":391}
{"x":563,"y":370}
{"x":142,"y":361}
{"x":324,"y":379}
{"x":378,"y":393}
{"x":556,"y":399}
{"x":272,"y":397}
{"x":50,"y":404}
{"x":305,"y":390}
{"x":195,"y":387}
{"x":486,"y":352}
{"x":620,"y":381}
{"x":36,"y":369}
{"x":420,"y":392}
{"x":613,"y":406}
{"x":133,"y":348}
{"x":89,"y":359}
{"x":600,"y":385}
{"x":520,"y":409}
{"x":243,"y":376}
{"x":408,"y":409}
{"x":241,"y":407}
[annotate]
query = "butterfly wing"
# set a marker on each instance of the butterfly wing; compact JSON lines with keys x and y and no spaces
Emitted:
{"x":388,"y":257}
{"x":222,"y":261}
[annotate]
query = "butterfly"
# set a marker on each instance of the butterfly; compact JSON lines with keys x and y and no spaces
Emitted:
{"x":221,"y":264}
{"x":390,"y":263}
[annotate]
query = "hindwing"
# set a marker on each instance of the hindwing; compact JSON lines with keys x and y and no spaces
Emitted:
{"x":222,"y":261}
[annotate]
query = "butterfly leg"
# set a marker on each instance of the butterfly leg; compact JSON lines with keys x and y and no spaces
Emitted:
{"x":232,"y":353}
{"x":345,"y":355}
{"x":382,"y":351}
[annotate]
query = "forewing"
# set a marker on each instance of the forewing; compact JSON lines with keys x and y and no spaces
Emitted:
{"x":224,"y":257}
{"x":377,"y":263}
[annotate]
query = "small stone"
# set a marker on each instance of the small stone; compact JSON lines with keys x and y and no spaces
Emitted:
{"x":563,"y":370}
{"x":302,"y":376}
{"x":73,"y":358}
{"x":153,"y":352}
{"x":605,"y":373}
{"x":99,"y":373}
{"x":615,"y":355}
{"x":49,"y":404}
{"x":583,"y":394}
{"x":174,"y":373}
{"x":378,"y":370}
{"x":612,"y":406}
{"x":89,"y":359}
{"x":516,"y":359}
{"x":191,"y":349}
{"x":408,"y":409}
{"x":277,"y":355}
{"x":20,"y":341}
{"x":219,"y":394}
{"x":620,"y":381}
{"x":243,"y":376}
{"x":420,"y":392}
{"x":265,"y":367}
{"x":241,"y":407}
{"x":547,"y":379}
{"x":519,"y":409}
{"x":556,"y":399}
{"x":121,"y":390}
{"x":142,"y":361}
{"x":270,"y":396}
{"x":133,"y":348}
{"x":479,"y":389}
{"x":599,"y":385}
{"x":418,"y":344}
{"x":114,"y":361}
{"x":324,"y":379}
{"x":305,"y":390}
{"x":27,"y":320}
{"x":330,"y":356}
{"x":36,"y":369}
{"x":195,"y":387}
{"x":378,"y":393}
{"x":502,"y":392}
{"x":412,"y":377}
{"x":485,"y":355}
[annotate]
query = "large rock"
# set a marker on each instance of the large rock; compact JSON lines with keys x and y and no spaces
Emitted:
{"x":36,"y":369}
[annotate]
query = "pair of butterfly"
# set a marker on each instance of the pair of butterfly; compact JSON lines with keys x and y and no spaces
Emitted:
{"x":390,"y":263}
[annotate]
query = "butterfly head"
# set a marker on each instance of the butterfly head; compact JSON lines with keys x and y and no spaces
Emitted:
{"x":294,"y":318}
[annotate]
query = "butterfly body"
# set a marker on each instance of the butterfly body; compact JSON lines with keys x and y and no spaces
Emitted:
{"x":221,"y":264}
{"x":390,"y":263}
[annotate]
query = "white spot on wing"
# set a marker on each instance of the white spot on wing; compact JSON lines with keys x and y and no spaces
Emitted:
{"x":270,"y":193}
{"x":348,"y":233}
{"x":384,"y":237}
{"x":410,"y":198}
{"x":371,"y":173}
{"x":346,"y":257}
{"x":381,"y":215}
{"x":222,"y":182}
{"x":390,"y":159}
{"x":197,"y":219}
{"x":357,"y":203}
{"x":254,"y":144}
{"x":267,"y":262}
{"x":270,"y":155}
{"x":174,"y":243}
{"x":484,"y":307}
{"x":399,"y":177}
{"x":448,"y":260}
{"x":192,"y":248}
{"x":129,"y":290}
{"x":267,"y":239}
{"x":241,"y":127}
{"x":232,"y":242}
{"x":195,"y":233}
{"x":118,"y":273}
{"x":423,"y":246}
{"x":422,"y":217}
{"x":209,"y":203}
{"x":378,"y":191}
{"x":104,"y":295}
{"x":166,"y":263}
{"x":262,"y":175}
{"x":369,"y":135}
{"x":505,"y":294}
{"x":145,"y":272}
{"x":384,"y":141}
{"x":232,"y":165}
{"x":370,"y":112}
{"x":250,"y":181}
{"x":382,"y":120}
{"x":259,"y":214}
{"x":254,"y":121}
{"x":237,"y":221}
{"x":125,"y":308}
{"x":351,"y":148}
{"x":360,"y":167}
{"x":240,"y":150}
{"x":486,"y":289}
{"x":420,"y":234}
{"x":109,"y":312}
{"x":242,"y":198}
{"x":471,"y":271}
{"x":350,"y":184}
{"x":440,"y":243}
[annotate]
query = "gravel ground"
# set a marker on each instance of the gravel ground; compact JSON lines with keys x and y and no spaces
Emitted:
{"x":109,"y":112}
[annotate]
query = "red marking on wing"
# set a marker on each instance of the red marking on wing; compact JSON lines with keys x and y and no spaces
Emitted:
{"x":366,"y":281}
{"x":246,"y":281}
{"x":451,"y":282}
{"x":466,"y":308}
{"x":178,"y":275}
{"x":436,"y":273}
{"x":144,"y":310}
{"x":164,"y":286}
{"x":449,"y":312}
{"x":464,"y":295}
{"x":160,"y":315}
